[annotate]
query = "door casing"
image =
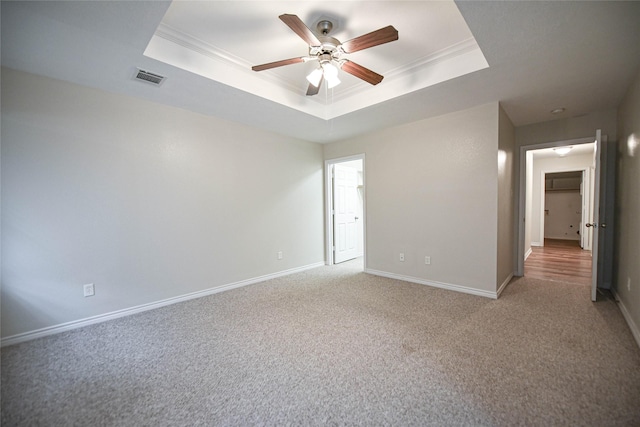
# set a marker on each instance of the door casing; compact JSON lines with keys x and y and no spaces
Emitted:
{"x":520,"y":225}
{"x":328,"y":202}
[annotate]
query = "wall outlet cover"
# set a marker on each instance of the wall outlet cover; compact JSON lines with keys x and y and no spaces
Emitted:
{"x":89,"y":290}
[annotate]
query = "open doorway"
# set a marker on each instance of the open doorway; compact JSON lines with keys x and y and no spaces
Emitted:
{"x":345,"y":213}
{"x":566,"y":205}
{"x":558,"y":206}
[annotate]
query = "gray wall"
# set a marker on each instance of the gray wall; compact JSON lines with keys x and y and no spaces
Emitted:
{"x":148,"y":202}
{"x":432,"y":190}
{"x":569,"y":128}
{"x":628,"y":208}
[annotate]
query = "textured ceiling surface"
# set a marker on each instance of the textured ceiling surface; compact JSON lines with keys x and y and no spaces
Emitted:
{"x":541,"y":55}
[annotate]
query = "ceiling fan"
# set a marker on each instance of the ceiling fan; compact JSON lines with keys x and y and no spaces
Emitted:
{"x":329,"y":53}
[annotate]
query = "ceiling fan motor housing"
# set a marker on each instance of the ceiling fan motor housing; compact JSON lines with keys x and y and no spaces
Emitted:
{"x":324,"y":27}
{"x":328,"y":46}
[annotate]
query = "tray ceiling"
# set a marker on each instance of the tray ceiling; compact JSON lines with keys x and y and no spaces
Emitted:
{"x":222,"y":40}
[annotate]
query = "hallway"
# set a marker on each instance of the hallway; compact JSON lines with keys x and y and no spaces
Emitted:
{"x":559,"y":260}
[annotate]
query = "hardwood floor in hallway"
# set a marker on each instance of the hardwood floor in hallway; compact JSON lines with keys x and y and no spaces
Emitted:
{"x":562,"y":260}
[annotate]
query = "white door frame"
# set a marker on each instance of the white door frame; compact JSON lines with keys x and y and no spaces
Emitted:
{"x":328,"y":203}
{"x":520,"y":232}
{"x":587,"y":209}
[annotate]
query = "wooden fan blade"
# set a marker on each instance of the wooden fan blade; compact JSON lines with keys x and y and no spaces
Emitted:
{"x":375,"y":38}
{"x":362,"y":73}
{"x":313,"y":90}
{"x":300,"y":29}
{"x":277,"y":64}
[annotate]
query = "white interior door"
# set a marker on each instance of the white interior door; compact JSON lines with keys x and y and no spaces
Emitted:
{"x":345,"y":205}
{"x":583,"y":192}
{"x":596,"y":216}
{"x":603,"y":215}
{"x":587,"y":210}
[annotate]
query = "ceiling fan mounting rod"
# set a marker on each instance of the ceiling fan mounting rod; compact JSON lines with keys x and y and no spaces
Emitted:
{"x":324,"y":27}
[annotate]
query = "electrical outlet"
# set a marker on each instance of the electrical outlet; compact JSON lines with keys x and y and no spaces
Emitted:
{"x":89,"y":290}
{"x":427,"y":260}
{"x":279,"y":254}
{"x":401,"y":256}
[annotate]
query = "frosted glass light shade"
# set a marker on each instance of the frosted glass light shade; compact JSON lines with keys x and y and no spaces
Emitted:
{"x":330,"y":70}
{"x":315,"y":76}
{"x":330,"y":74}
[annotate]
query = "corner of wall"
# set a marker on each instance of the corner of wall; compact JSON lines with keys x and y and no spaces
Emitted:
{"x":505,"y":265}
{"x":448,"y":162}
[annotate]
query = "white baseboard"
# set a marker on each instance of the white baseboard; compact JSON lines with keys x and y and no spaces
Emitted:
{"x":529,"y":252}
{"x":635,"y":330}
{"x":536,"y":244}
{"x":75,"y":324}
{"x":448,"y":286}
{"x":504,"y":284}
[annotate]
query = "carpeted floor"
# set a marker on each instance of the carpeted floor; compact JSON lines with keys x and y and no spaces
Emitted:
{"x":335,"y":346}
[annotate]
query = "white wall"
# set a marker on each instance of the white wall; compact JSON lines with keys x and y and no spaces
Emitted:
{"x":563,"y":213}
{"x":148,"y":202}
{"x":627,"y":248}
{"x":548,"y":165}
{"x":528,"y":202}
{"x":432,"y":190}
{"x":506,"y":201}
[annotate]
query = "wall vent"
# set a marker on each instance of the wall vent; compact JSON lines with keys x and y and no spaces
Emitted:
{"x":148,"y":77}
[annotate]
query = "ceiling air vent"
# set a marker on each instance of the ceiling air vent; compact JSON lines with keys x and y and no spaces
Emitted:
{"x":146,"y":76}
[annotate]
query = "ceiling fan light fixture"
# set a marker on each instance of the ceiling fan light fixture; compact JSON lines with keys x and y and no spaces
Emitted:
{"x":330,"y":74}
{"x":330,"y":70}
{"x":328,"y":51}
{"x":315,"y":76}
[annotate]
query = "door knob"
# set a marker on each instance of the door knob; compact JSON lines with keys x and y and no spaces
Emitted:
{"x":603,"y":225}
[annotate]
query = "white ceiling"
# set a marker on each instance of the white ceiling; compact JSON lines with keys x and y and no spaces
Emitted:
{"x":541,"y":55}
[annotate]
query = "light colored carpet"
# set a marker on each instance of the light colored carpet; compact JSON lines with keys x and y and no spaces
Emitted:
{"x":335,"y":346}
